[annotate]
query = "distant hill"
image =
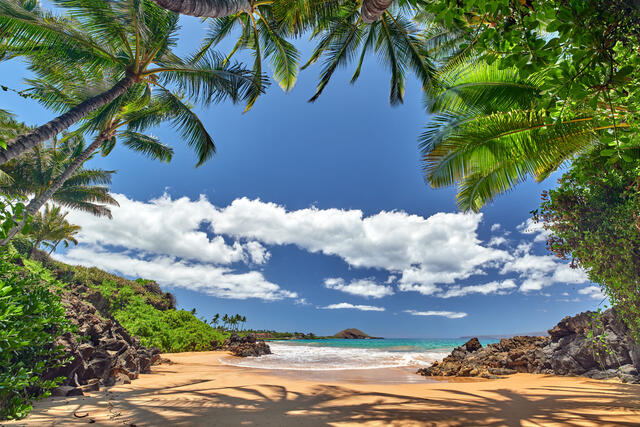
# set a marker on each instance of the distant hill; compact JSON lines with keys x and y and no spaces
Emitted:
{"x":353,"y":334}
{"x":497,"y":337}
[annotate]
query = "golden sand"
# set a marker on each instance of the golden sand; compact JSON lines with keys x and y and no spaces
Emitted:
{"x":197,"y":390}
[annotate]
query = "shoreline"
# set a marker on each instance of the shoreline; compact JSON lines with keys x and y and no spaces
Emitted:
{"x":196,"y":389}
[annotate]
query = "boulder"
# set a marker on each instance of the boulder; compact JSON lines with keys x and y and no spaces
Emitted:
{"x":246,"y":346}
{"x":575,"y":346}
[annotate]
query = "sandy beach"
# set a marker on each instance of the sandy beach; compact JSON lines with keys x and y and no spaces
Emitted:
{"x":197,"y":390}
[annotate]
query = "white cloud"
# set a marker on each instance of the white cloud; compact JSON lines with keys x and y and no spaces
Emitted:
{"x":447,"y":314}
{"x":212,"y":280}
{"x":593,"y":292}
{"x":346,"y":305}
{"x":540,"y":271}
{"x":162,"y":226}
{"x":485,"y":289}
{"x":532,"y":227}
{"x":495,"y":227}
{"x":257,"y":252}
{"x":497,"y":241}
{"x":361,"y":287}
{"x":424,"y":251}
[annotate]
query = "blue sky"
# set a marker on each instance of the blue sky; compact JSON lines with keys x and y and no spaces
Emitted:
{"x":315,"y":217}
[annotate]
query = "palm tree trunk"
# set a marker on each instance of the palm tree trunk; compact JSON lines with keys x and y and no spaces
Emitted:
{"x":37,"y":202}
{"x":205,"y":8}
{"x":49,"y":130}
{"x":372,"y":10}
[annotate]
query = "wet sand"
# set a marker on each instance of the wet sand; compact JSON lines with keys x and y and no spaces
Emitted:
{"x":197,"y":390}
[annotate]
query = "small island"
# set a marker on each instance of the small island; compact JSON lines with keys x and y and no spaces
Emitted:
{"x":354,"y":334}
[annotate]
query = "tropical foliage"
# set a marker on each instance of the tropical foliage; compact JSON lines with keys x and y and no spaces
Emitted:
{"x":541,"y":83}
{"x":31,"y":174}
{"x":593,"y":217}
{"x":31,"y":316}
{"x":132,"y":43}
{"x":50,"y":227}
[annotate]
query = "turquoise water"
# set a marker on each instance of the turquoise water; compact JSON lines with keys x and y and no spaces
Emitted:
{"x":389,"y":344}
{"x":342,"y":354}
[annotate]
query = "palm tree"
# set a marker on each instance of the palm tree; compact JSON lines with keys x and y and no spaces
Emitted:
{"x":205,"y":8}
{"x":31,"y":175}
{"x":489,"y":131}
{"x":400,"y":42}
{"x":371,"y":9}
{"x":130,"y":40}
{"x":225,"y":321}
{"x":215,"y":319}
{"x":50,"y":228}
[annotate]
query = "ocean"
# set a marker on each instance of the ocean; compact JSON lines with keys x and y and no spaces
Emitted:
{"x":345,"y":354}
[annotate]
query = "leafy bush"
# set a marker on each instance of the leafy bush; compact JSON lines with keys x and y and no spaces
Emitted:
{"x":170,"y":330}
{"x":594,"y":219}
{"x":31,"y":316}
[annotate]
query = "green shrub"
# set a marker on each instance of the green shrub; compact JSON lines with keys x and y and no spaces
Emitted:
{"x":31,"y":316}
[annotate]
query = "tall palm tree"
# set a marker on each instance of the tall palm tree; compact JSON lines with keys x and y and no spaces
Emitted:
{"x":489,"y":131}
{"x":205,"y":8}
{"x":133,"y":40}
{"x":371,"y":9}
{"x":50,"y":228}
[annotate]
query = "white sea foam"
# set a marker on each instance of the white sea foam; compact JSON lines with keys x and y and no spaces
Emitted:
{"x":315,"y":358}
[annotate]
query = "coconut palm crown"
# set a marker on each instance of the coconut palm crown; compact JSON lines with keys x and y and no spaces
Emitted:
{"x":489,"y":131}
{"x":131,"y":40}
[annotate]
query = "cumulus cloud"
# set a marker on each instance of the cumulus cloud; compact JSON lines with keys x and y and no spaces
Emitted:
{"x":423,"y":252}
{"x":592,"y":292}
{"x":361,"y":287}
{"x":447,"y":314}
{"x":426,"y":255}
{"x":536,"y":228}
{"x":495,"y":227}
{"x":540,"y":271}
{"x":497,"y":241}
{"x":162,"y":226}
{"x":212,"y":280}
{"x":346,"y":305}
{"x":495,"y":287}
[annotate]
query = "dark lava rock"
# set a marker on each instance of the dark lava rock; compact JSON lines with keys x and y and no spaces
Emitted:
{"x":472,"y":345}
{"x":103,"y":351}
{"x":570,"y":349}
{"x":246,"y":346}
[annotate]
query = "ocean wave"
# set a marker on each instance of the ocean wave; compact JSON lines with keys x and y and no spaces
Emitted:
{"x":315,"y":358}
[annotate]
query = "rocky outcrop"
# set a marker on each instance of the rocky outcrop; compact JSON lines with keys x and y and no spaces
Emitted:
{"x":103,"y":352}
{"x":600,"y":347}
{"x":246,"y":346}
{"x":353,"y":334}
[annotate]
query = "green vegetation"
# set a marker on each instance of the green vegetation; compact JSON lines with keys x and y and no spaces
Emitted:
{"x":593,"y":218}
{"x":531,"y":86}
{"x":31,"y":316}
{"x":170,"y":330}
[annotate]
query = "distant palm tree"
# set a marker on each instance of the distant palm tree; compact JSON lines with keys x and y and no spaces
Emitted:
{"x":50,"y":228}
{"x":487,"y":132}
{"x":225,"y":321}
{"x":130,"y":40}
{"x":215,"y":319}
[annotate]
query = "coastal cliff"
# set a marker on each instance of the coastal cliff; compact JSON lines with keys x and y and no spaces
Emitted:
{"x":577,"y":345}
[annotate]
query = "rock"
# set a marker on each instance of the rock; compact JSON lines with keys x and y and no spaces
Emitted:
{"x":66,"y":390}
{"x":246,"y":346}
{"x":576,"y":346}
{"x":472,"y":345}
{"x":353,"y":334}
{"x":107,"y":352}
